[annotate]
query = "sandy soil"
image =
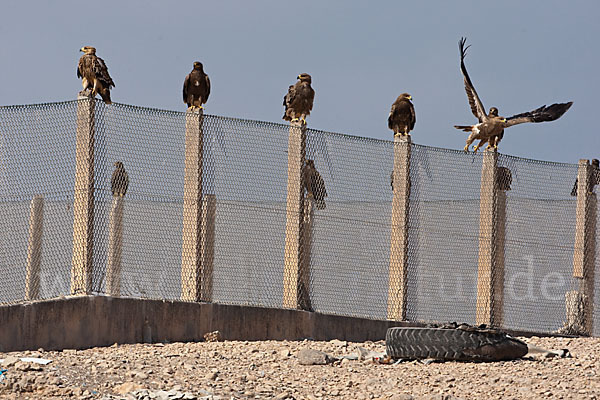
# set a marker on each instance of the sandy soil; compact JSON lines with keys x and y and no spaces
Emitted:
{"x":270,"y":369}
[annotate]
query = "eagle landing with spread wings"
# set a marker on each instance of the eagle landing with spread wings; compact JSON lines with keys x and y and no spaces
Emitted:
{"x":196,"y":87}
{"x":298,"y":101}
{"x":402,"y":115}
{"x":94,"y":74}
{"x":490,"y":128}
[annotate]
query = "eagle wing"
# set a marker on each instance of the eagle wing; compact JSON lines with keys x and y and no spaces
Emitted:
{"x":101,"y":72}
{"x":474,"y":101}
{"x":186,"y":82}
{"x":541,"y":114}
{"x":207,"y":87}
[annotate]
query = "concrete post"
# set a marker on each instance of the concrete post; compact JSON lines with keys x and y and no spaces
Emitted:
{"x":191,"y":257}
{"x":293,"y":260}
{"x":489,"y":285}
{"x":115,"y":246}
{"x":34,"y":249}
{"x":399,"y":233}
{"x":584,"y":255}
{"x":83,"y":206}
{"x":209,"y":211}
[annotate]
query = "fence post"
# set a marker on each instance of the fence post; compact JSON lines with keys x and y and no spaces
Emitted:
{"x":83,"y":206}
{"x":399,"y":230}
{"x":191,"y":257}
{"x":295,"y":291}
{"x":580,"y":303}
{"x":209,"y":210}
{"x":115,"y":247}
{"x":490,"y":272}
{"x":34,"y":248}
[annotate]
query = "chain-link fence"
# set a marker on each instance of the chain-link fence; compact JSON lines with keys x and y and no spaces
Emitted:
{"x":472,"y":247}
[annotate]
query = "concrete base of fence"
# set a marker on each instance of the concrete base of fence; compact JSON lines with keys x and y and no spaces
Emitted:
{"x":79,"y":322}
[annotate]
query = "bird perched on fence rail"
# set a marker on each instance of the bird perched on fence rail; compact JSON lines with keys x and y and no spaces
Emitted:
{"x":314,"y":184}
{"x":94,"y":74}
{"x":119,"y":182}
{"x":402,"y":116}
{"x":298,"y":101}
{"x":490,"y":128}
{"x":196,"y":87}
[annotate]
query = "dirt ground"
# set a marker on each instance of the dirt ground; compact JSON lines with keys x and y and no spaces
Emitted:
{"x":271,"y":369}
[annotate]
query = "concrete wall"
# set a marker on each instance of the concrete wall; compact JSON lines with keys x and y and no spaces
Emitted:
{"x":89,"y":321}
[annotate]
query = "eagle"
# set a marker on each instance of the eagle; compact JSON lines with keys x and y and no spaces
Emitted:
{"x":402,"y":115}
{"x":298,"y":101}
{"x":119,"y":182}
{"x":94,"y":74}
{"x":594,"y":178}
{"x":490,"y":128}
{"x":196,"y":87}
{"x":314,"y":184}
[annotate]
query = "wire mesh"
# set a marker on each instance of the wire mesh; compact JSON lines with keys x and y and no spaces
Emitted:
{"x":347,"y":240}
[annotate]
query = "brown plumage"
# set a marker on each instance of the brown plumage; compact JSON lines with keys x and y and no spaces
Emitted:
{"x":196,"y":87}
{"x":491,"y":126}
{"x":94,"y":74}
{"x":314,"y":184}
{"x":402,"y":116}
{"x":299,"y":99}
{"x":593,"y":180}
{"x":119,"y":182}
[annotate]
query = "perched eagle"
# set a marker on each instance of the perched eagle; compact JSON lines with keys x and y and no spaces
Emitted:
{"x":594,"y":178}
{"x":94,"y":74}
{"x":119,"y":182}
{"x":402,"y":116}
{"x":314,"y":184}
{"x":503,"y":178}
{"x":491,"y":126}
{"x":196,"y":87}
{"x":299,"y":99}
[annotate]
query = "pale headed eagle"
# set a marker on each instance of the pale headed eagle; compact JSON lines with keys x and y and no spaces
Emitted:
{"x":196,"y":87}
{"x":119,"y":182}
{"x":94,"y":74}
{"x":299,"y":99}
{"x":491,"y":126}
{"x":314,"y":184}
{"x":402,"y":117}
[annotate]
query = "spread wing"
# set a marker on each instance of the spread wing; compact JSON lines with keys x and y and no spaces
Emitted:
{"x":474,"y":101}
{"x":101,"y":72}
{"x":186,"y":82}
{"x":541,"y":114}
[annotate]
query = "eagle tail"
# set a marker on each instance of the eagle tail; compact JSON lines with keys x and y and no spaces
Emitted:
{"x":105,"y":94}
{"x":466,"y":128}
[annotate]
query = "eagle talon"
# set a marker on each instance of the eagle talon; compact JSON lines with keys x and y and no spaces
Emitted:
{"x":466,"y":149}
{"x":295,"y":119}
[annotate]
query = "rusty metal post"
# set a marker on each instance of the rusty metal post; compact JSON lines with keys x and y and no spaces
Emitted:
{"x":115,"y":247}
{"x":293,"y":261}
{"x":34,"y":248}
{"x":584,"y":255}
{"x":399,"y":230}
{"x":209,"y":211}
{"x":191,"y":256}
{"x":83,"y":206}
{"x":488,"y":311}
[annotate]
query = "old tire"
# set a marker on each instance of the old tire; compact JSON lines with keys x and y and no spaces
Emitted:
{"x":462,"y":343}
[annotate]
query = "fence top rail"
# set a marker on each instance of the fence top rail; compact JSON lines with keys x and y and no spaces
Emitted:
{"x":283,"y":125}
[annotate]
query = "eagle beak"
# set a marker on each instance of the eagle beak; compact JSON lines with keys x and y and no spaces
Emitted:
{"x":299,"y":76}
{"x":410,"y":97}
{"x":503,"y":119}
{"x":81,"y":49}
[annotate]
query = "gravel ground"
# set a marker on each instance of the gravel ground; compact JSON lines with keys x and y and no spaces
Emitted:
{"x":271,"y":369}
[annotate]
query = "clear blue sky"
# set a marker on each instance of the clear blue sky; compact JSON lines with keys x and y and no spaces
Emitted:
{"x":361,"y":55}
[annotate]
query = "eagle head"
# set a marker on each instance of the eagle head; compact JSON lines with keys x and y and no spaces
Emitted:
{"x":198,"y":65}
{"x":119,"y":165}
{"x":493,"y":112}
{"x":88,"y":50}
{"x":310,"y":163}
{"x":405,"y":96}
{"x":595,"y":163}
{"x":305,"y":78}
